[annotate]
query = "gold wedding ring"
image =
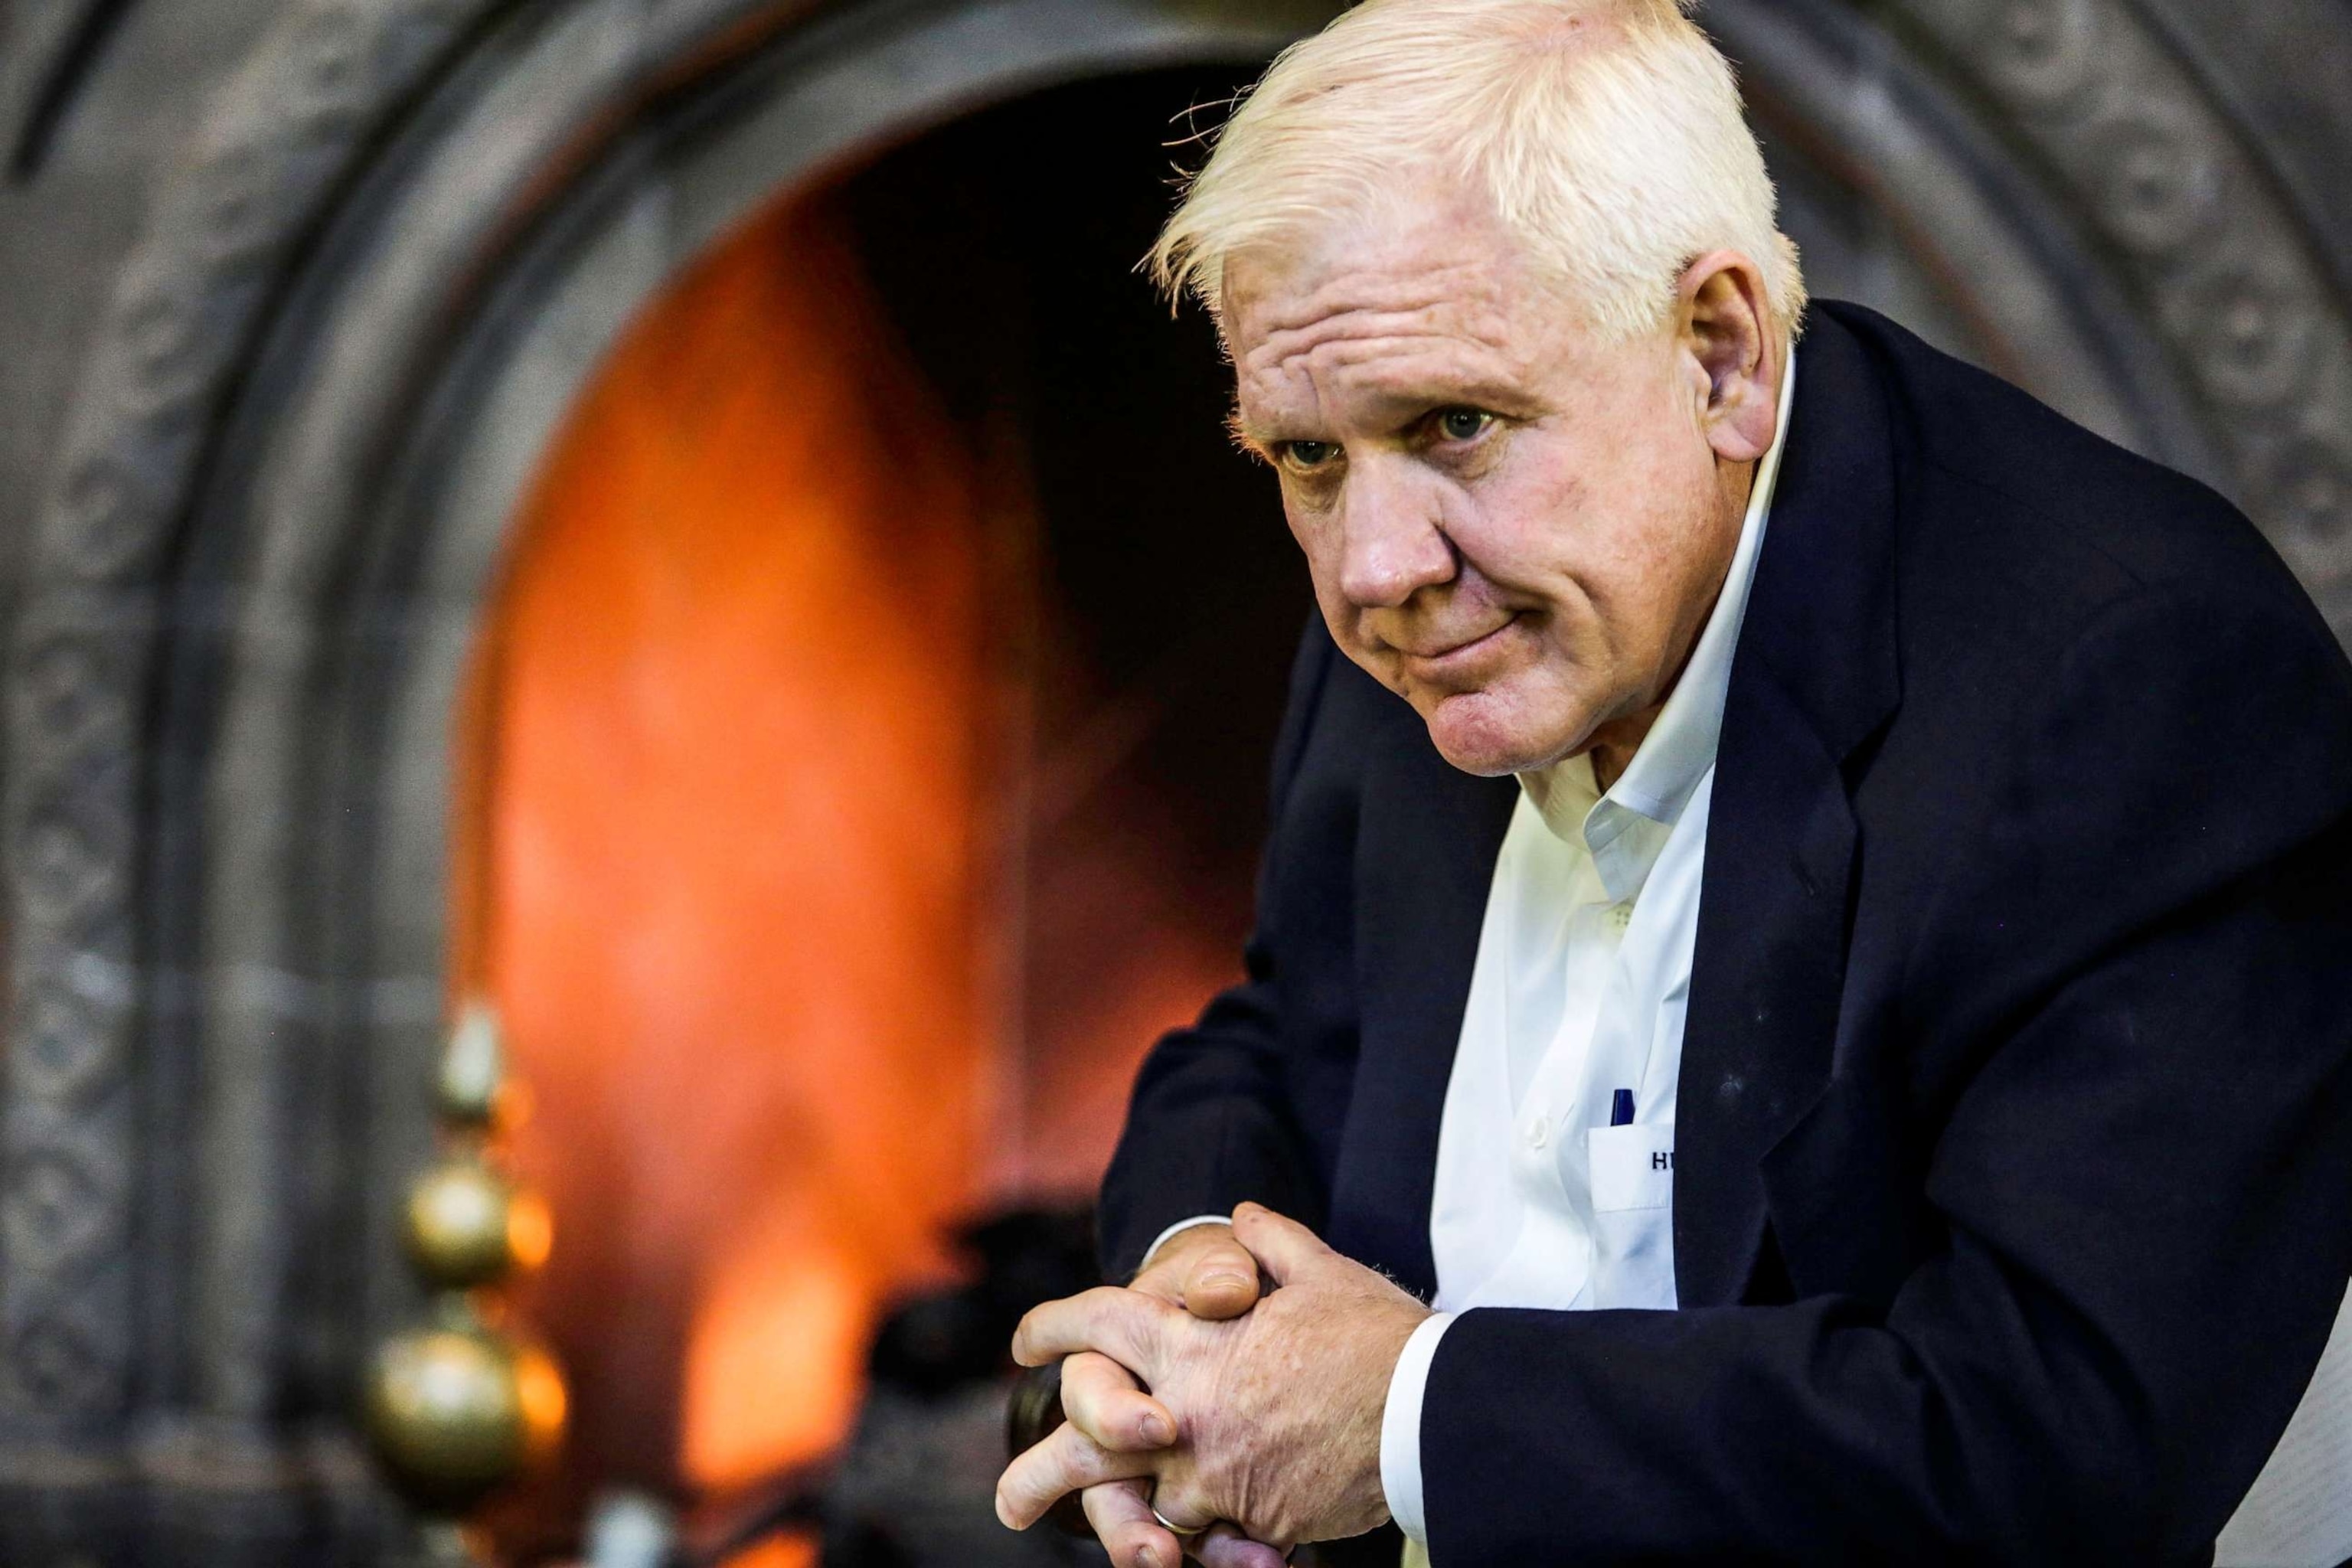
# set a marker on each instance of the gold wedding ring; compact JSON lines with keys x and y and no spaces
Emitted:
{"x":1171,"y":1527}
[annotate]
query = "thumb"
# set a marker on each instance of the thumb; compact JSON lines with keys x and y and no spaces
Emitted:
{"x":1221,"y":1280}
{"x":1283,"y":1247}
{"x":1225,"y":1546}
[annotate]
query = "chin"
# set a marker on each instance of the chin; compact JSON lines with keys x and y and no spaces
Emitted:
{"x":1475,"y":733}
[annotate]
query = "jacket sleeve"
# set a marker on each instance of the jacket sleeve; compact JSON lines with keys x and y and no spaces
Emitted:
{"x":1209,"y":1122}
{"x":2138,"y":1180}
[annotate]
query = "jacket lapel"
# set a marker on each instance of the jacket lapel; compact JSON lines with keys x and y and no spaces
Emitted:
{"x":1426,"y":848}
{"x":1815,"y":676}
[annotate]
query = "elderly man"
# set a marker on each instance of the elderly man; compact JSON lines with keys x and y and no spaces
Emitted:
{"x":1807,"y":910}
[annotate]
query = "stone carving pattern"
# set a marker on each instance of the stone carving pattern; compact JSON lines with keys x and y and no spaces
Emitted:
{"x":279,"y":138}
{"x":2228,"y":273}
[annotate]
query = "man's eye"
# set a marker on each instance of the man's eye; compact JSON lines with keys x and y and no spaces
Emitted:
{"x":1309,"y":454}
{"x":1462,"y":424}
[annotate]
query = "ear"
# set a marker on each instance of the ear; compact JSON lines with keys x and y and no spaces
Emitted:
{"x":1732,"y":351}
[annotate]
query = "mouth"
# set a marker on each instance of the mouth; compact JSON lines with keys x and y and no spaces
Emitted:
{"x":1453,"y":658}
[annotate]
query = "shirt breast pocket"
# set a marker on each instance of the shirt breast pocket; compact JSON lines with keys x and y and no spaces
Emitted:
{"x":1633,"y":1172}
{"x":1632,"y":1167}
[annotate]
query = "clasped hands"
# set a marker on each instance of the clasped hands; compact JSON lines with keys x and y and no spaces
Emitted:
{"x":1237,"y":1385}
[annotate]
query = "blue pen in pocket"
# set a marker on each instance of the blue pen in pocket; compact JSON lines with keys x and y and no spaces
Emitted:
{"x":1620,"y":1109}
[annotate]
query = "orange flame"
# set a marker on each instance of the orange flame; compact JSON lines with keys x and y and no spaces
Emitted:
{"x":733,"y":698}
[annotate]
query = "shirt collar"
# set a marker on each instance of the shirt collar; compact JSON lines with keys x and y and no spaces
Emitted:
{"x":1626,"y":829}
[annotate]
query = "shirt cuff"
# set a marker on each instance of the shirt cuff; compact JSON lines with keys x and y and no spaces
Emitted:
{"x":1181,"y":1226}
{"x":1400,"y":1427}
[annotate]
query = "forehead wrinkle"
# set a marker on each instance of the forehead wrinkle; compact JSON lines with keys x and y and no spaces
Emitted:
{"x":1339,"y":344}
{"x":1409,"y":354}
{"x":1350,"y":297}
{"x":1380,"y":331}
{"x":1353,"y":298}
{"x":1355,"y":379}
{"x":1318,"y":288}
{"x":1439,"y":300}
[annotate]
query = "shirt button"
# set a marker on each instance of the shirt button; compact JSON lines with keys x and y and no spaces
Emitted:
{"x":1539,"y":1132}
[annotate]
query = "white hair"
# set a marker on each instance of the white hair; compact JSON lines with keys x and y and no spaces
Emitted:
{"x":1607,"y":135}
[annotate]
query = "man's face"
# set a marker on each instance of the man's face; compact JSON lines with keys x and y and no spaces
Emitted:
{"x":1517,"y":527}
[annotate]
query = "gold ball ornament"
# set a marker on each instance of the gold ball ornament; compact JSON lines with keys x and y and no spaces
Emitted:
{"x":457,"y":1411}
{"x":466,"y":1224}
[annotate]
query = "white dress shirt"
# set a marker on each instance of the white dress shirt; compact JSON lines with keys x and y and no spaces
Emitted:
{"x":1574,"y":1022}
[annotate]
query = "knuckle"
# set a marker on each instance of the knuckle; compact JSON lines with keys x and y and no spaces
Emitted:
{"x":1107,"y":1420}
{"x":1079,"y":1390}
{"x":1095,"y":1375}
{"x":1080,"y":1461}
{"x":1104,"y":1424}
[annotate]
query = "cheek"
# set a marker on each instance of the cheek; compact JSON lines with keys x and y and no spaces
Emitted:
{"x":1307,"y":528}
{"x":1639,"y":510}
{"x":1532,"y":527}
{"x":1605,"y":543}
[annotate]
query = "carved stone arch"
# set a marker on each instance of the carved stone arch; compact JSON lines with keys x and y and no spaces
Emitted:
{"x":2200,"y":225}
{"x":2105,"y":228}
{"x":407,"y":232}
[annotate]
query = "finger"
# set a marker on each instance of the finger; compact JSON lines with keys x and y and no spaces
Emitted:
{"x":1174,"y":1505}
{"x":1121,"y":1513}
{"x":1101,"y":1400}
{"x":1220,"y":1278}
{"x":1222,"y":1545}
{"x":1067,"y":1461}
{"x":1122,"y":1324}
{"x":1284,"y":1247}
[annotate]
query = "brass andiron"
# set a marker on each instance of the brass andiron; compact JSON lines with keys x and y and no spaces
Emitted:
{"x":459,"y":1407}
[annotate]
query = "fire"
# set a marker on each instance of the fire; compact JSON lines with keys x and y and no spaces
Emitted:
{"x":731,"y":885}
{"x":734,"y":865}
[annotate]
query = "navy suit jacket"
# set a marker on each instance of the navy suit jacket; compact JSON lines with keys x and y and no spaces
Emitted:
{"x":2015,"y":1127}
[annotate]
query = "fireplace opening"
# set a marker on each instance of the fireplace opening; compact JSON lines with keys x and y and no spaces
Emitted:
{"x":859,"y":770}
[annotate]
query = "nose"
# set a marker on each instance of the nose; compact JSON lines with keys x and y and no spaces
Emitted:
{"x":1391,"y":544}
